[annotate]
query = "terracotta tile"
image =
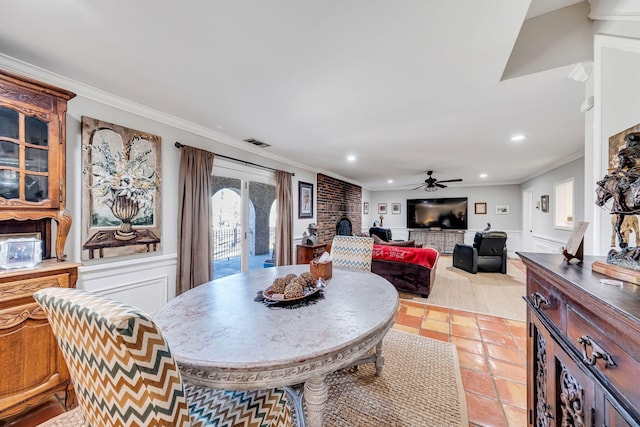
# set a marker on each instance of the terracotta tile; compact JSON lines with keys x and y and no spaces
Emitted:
{"x":489,"y":318}
{"x":459,"y":319}
{"x":516,"y":327}
{"x":50,"y":409}
{"x":495,"y":326}
{"x":521,"y":342}
{"x":516,"y":417}
{"x":508,"y":354}
{"x":407,"y":320}
{"x":485,"y":412}
{"x":498,"y":338}
{"x":415,"y":311}
{"x":465,"y":344}
{"x":472,"y":361}
{"x":501,"y":369}
{"x":512,"y":393}
{"x":439,"y":315}
{"x":411,"y":303}
{"x":434,"y":335}
{"x":434,"y":325}
{"x":465,"y":332}
{"x":406,"y":329}
{"x":478,"y":382}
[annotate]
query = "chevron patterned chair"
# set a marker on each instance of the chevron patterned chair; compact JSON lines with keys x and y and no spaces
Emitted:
{"x":124,"y":374}
{"x":352,"y":252}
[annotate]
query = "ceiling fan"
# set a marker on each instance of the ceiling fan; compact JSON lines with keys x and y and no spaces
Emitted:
{"x":432,"y":184}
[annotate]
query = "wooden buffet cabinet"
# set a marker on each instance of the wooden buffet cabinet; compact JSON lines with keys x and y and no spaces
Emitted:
{"x":306,"y":253}
{"x":31,"y":365}
{"x":32,"y":194}
{"x":583,"y":345}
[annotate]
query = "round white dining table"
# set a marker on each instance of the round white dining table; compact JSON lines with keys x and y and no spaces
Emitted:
{"x":222,"y":338}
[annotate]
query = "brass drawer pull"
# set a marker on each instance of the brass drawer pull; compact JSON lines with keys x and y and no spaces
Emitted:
{"x":596,"y":353}
{"x":540,"y":301}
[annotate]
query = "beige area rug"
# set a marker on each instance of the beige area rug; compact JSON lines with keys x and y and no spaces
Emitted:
{"x":420,"y":386}
{"x":495,"y":294}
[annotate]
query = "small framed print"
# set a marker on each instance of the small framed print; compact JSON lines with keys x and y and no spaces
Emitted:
{"x":305,"y":200}
{"x":20,"y":253}
{"x":480,"y":208}
{"x":382,"y":208}
{"x":502,"y":209}
{"x":544,"y":202}
{"x":365,"y":208}
{"x":395,"y":208}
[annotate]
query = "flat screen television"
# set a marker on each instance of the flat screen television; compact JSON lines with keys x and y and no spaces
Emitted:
{"x":444,"y":213}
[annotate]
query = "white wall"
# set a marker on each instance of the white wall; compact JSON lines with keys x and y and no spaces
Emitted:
{"x":546,"y":237}
{"x":491,"y":195}
{"x":617,"y":105}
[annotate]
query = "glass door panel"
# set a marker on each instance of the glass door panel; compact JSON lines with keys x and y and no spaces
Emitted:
{"x":243,"y":219}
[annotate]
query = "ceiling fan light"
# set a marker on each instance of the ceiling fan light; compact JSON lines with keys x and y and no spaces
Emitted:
{"x":427,"y":188}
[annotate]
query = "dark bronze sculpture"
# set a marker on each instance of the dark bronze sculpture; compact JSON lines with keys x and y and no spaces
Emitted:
{"x":622,"y":186}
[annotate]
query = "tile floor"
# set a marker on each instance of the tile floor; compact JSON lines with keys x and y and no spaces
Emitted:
{"x":492,"y":355}
{"x":491,"y":351}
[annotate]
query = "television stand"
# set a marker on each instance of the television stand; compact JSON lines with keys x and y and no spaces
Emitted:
{"x":444,"y":239}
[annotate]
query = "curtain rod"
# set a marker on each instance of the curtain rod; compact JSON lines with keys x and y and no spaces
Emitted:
{"x":180,"y":145}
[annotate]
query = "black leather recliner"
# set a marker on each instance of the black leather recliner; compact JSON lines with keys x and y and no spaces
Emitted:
{"x":383,"y":233}
{"x":488,"y":253}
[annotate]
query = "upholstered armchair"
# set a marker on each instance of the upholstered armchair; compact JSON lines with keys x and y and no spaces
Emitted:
{"x":352,"y":252}
{"x":383,"y":233}
{"x":488,"y":253}
{"x":124,"y":373}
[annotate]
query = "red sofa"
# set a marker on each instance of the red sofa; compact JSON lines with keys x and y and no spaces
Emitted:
{"x":409,"y":269}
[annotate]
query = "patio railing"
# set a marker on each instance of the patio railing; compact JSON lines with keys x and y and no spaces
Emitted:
{"x":226,"y":242}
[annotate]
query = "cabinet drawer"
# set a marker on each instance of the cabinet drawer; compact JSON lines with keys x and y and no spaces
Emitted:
{"x":548,"y":302}
{"x":13,"y":316}
{"x":586,"y":328}
{"x":24,"y":288}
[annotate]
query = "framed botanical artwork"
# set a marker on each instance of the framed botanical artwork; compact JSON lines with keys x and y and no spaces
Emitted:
{"x":365,"y":208}
{"x":305,"y":200}
{"x":395,"y":208}
{"x":480,"y":208}
{"x":382,"y":208}
{"x":502,"y":209}
{"x":121,"y":175}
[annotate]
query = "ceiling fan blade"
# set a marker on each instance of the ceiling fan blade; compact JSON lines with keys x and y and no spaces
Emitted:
{"x":419,"y":186}
{"x":451,"y":180}
{"x":440,"y":185}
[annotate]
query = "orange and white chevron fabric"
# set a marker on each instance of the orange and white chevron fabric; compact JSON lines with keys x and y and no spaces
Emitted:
{"x":352,"y":252}
{"x":124,"y":374}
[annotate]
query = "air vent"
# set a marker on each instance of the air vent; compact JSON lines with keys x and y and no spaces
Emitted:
{"x":257,"y":143}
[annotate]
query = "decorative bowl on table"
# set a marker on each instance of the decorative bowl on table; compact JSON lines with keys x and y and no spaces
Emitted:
{"x":291,"y":288}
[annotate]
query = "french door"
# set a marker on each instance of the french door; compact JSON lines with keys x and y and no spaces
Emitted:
{"x":243,"y":210}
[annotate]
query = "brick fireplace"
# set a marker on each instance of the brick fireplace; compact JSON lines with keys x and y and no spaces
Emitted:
{"x":336,"y":200}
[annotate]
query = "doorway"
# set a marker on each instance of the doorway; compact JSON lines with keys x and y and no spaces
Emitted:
{"x":528,"y":244}
{"x":243,"y":218}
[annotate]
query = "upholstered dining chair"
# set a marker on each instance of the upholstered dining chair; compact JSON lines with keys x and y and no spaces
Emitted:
{"x":352,"y":252}
{"x":124,"y":374}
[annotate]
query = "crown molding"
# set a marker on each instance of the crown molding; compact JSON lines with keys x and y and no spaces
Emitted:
{"x":89,"y":92}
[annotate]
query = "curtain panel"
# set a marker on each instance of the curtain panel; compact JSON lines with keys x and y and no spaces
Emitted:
{"x":284,"y":224}
{"x":195,"y":245}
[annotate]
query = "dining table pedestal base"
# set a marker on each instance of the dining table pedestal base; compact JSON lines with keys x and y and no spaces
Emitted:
{"x":316,"y":394}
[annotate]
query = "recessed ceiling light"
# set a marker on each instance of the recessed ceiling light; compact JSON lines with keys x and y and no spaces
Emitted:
{"x":351,"y":158}
{"x":483,"y":175}
{"x":390,"y":181}
{"x":518,"y":137}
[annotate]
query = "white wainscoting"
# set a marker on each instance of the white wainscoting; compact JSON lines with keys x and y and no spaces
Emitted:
{"x":547,"y":244}
{"x":147,"y":283}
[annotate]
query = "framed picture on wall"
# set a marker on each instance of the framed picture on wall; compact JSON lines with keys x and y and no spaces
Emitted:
{"x":395,"y":208}
{"x":544,"y":203}
{"x":502,"y":209}
{"x":305,"y":200}
{"x":382,"y":208}
{"x":365,"y":208}
{"x":480,"y":208}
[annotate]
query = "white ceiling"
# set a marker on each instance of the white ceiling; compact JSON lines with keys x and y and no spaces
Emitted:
{"x":406,"y":85}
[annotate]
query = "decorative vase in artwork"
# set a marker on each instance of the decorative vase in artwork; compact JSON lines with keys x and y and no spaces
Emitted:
{"x":125,"y":209}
